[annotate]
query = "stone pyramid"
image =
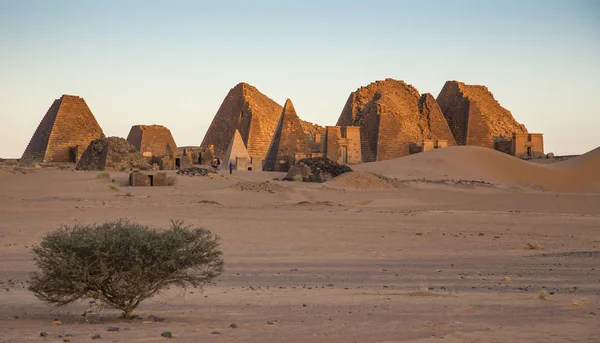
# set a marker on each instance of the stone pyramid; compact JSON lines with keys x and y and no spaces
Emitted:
{"x":288,"y":140}
{"x":250,"y":112}
{"x":153,"y":140}
{"x":64,"y":133}
{"x":475,"y":116}
{"x":432,"y":115}
{"x":394,"y":119}
{"x":236,"y":149}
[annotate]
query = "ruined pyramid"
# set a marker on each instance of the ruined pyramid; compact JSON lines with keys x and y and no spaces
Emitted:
{"x":153,"y":140}
{"x":475,"y":116}
{"x":112,"y":153}
{"x":236,"y":149}
{"x":64,"y":133}
{"x":394,"y":118}
{"x":288,"y":140}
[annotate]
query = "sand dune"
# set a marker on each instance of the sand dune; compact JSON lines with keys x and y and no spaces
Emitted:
{"x":580,"y":174}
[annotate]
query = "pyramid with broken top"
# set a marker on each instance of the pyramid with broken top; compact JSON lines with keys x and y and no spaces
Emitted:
{"x":289,"y":139}
{"x":64,"y":133}
{"x":237,"y":149}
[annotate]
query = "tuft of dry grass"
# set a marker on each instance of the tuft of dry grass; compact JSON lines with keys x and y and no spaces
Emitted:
{"x":534,"y":246}
{"x":579,"y":303}
{"x":171,"y":180}
{"x":506,"y":279}
{"x":104,"y":175}
{"x":543,"y":295}
{"x":113,"y":186}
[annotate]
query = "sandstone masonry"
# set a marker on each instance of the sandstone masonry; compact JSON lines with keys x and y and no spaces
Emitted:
{"x":64,"y":133}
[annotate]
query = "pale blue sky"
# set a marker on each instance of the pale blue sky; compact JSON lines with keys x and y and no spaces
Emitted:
{"x":173,"y":62}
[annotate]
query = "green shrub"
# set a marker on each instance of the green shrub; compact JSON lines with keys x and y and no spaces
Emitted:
{"x":122,"y":263}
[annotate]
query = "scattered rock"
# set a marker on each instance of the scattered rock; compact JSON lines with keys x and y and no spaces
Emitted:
{"x":113,"y":328}
{"x":260,"y":187}
{"x":57,"y":322}
{"x":234,"y":326}
{"x":166,"y":334}
{"x":208,"y":202}
{"x":156,"y":319}
{"x":67,"y":340}
{"x":96,"y":337}
{"x":195,"y":171}
{"x":43,"y":334}
{"x":216,"y":333}
{"x":112,"y":153}
{"x":319,"y":169}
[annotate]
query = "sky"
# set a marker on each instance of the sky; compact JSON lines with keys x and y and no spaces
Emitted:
{"x":173,"y":62}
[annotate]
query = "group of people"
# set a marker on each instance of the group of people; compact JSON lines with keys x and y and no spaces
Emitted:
{"x":216,"y":164}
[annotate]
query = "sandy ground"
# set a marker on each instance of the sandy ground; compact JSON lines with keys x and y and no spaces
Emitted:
{"x":438,"y":257}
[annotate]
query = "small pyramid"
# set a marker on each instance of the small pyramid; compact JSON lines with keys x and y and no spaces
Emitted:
{"x":236,"y":149}
{"x":153,"y":140}
{"x":64,"y":133}
{"x":289,"y":139}
{"x":433,"y":118}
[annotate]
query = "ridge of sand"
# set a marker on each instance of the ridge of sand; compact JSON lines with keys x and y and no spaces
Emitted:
{"x":579,"y":174}
{"x":365,"y":180}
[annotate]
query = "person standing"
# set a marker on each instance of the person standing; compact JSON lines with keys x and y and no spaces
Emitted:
{"x":230,"y":167}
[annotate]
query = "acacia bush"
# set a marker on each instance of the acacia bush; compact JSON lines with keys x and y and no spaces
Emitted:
{"x":122,"y":263}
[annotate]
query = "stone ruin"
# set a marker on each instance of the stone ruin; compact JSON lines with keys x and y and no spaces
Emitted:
{"x":250,"y":112}
{"x":318,"y":169}
{"x":148,"y":179}
{"x":255,"y":116}
{"x":274,"y":136}
{"x":289,"y":143}
{"x":64,"y":133}
{"x":156,"y":143}
{"x":477,"y":118}
{"x":113,"y":154}
{"x":394,"y":119}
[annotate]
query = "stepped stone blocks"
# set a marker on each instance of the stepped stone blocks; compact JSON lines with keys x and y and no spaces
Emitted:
{"x":289,"y":140}
{"x":64,"y":133}
{"x":236,"y":152}
{"x":393,"y":119}
{"x":156,"y":143}
{"x":475,"y":117}
{"x":250,"y":112}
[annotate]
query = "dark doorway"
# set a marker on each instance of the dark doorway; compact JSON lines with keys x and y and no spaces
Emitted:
{"x":178,"y":162}
{"x":528,"y":151}
{"x":151,"y":180}
{"x":73,"y":154}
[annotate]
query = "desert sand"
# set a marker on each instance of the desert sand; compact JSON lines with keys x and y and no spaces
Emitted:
{"x":425,"y":248}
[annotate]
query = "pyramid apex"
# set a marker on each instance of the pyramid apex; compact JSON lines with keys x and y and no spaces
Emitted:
{"x":288,"y":107}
